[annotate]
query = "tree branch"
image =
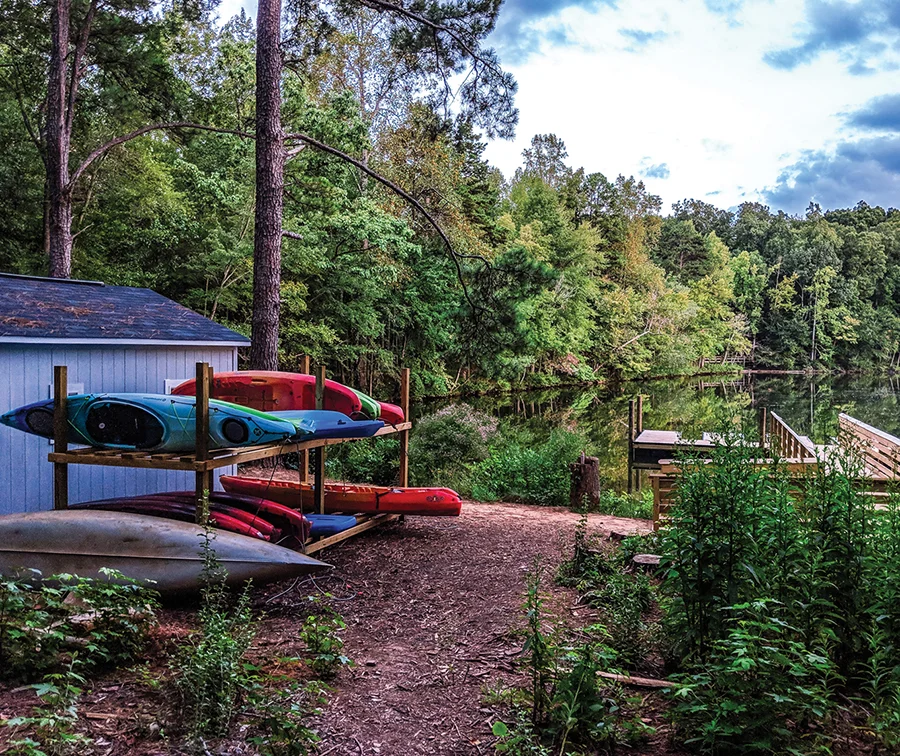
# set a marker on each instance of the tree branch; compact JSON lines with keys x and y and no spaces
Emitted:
{"x":103,"y":149}
{"x":383,"y":5}
{"x":454,"y":255}
{"x":292,"y":235}
{"x":80,"y":49}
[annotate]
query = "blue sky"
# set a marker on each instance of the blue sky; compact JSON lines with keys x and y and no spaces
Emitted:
{"x":778,"y":101}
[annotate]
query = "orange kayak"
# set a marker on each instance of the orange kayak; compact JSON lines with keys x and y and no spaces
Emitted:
{"x":272,"y":391}
{"x":345,"y":497}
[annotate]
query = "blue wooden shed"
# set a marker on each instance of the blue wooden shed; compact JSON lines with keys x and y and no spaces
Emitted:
{"x":113,"y":339}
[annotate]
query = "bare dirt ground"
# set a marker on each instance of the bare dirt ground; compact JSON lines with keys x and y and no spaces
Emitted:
{"x":432,"y":607}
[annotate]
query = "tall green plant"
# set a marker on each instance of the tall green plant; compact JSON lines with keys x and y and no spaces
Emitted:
{"x":210,"y":674}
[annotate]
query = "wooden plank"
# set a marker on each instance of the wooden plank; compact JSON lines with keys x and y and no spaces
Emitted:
{"x":319,"y":482}
{"x":404,"y":434}
{"x":202,"y":486}
{"x":374,"y":522}
{"x":640,"y":682}
{"x":235,"y":456}
{"x":60,"y":435}
{"x":631,"y":435}
{"x":304,"y":454}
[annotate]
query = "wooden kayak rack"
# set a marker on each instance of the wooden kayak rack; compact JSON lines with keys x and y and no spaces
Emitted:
{"x":203,"y":461}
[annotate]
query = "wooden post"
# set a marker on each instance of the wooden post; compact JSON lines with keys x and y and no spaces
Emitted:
{"x":763,"y":440}
{"x":584,"y":491}
{"x":60,"y":436}
{"x":630,"y":445}
{"x":320,"y":452}
{"x":304,"y":455}
{"x":203,"y":478}
{"x":404,"y":435}
{"x":639,"y":427}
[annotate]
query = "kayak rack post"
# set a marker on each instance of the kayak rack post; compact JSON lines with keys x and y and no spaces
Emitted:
{"x":60,"y":435}
{"x":319,"y":505}
{"x":639,"y":428}
{"x":304,"y":455}
{"x":203,"y":477}
{"x":404,"y":434}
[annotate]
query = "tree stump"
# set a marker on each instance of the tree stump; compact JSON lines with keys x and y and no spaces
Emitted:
{"x":585,"y":488}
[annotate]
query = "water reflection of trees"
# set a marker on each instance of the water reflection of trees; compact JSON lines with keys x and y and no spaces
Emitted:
{"x":692,"y":406}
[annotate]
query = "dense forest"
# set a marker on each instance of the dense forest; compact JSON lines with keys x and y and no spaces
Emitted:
{"x":560,"y":273}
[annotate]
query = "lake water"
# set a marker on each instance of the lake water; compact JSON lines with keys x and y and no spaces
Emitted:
{"x":809,"y":404}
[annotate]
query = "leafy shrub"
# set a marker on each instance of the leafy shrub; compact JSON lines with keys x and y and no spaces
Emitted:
{"x":282,"y":718}
{"x":758,"y":691}
{"x":210,"y":674}
{"x":534,"y":475}
{"x":323,"y":644}
{"x":38,"y":625}
{"x":637,"y":506}
{"x":53,"y":722}
{"x":374,"y":460}
{"x":572,"y":708}
{"x":443,"y":445}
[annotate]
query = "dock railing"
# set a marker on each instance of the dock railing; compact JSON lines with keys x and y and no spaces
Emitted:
{"x":880,"y":450}
{"x":786,"y":442}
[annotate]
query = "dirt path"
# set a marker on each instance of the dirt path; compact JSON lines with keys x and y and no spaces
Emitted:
{"x":430,"y":605}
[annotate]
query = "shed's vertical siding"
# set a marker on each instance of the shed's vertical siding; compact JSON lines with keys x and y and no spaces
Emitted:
{"x":26,"y":373}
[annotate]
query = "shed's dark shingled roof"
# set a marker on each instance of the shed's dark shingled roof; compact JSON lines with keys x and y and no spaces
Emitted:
{"x":40,"y":308}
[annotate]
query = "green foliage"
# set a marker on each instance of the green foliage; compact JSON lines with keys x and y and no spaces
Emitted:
{"x":531,"y":474}
{"x":39,"y":623}
{"x":776,"y":602}
{"x":366,"y":461}
{"x":320,"y":632}
{"x":637,"y":506}
{"x":759,"y":690}
{"x":282,"y":717}
{"x":52,"y":723}
{"x":210,"y":671}
{"x":572,"y":709}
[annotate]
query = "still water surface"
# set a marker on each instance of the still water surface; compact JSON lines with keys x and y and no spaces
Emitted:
{"x":810,"y":404}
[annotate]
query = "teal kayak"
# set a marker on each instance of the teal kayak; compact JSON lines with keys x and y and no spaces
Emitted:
{"x":151,"y":422}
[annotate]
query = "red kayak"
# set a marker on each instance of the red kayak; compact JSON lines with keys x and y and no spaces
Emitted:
{"x":391,"y":414}
{"x":275,"y":391}
{"x":186,"y":513}
{"x":341,"y":497}
{"x":286,"y":520}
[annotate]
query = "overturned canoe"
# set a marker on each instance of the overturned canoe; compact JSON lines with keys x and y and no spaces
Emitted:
{"x":270,"y":391}
{"x":81,"y":542}
{"x":343,"y":497}
{"x":151,"y":422}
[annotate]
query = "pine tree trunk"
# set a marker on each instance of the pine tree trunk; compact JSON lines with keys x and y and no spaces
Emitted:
{"x":59,"y":226}
{"x":269,"y":189}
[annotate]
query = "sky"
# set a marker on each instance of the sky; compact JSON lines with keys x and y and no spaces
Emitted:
{"x":776,"y":101}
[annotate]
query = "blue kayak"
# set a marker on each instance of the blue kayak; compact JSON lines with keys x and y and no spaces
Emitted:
{"x":310,"y":424}
{"x":151,"y":422}
{"x":327,"y":525}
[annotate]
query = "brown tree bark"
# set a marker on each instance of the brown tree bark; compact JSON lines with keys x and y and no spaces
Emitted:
{"x":59,"y":193}
{"x":269,"y":189}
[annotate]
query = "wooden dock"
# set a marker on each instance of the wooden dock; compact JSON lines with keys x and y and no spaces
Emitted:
{"x":878,"y":454}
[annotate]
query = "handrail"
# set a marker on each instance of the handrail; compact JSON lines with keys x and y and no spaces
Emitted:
{"x":880,"y":450}
{"x":788,"y":443}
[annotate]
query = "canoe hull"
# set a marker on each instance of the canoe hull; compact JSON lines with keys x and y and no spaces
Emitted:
{"x":429,"y":502}
{"x":391,"y":413}
{"x":270,"y":391}
{"x":81,"y":542}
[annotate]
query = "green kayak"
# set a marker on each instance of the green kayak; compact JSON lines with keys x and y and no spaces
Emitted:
{"x":371,"y":407}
